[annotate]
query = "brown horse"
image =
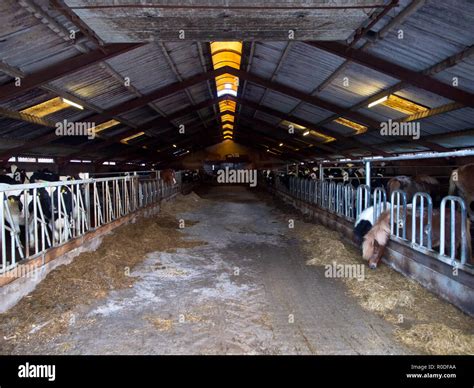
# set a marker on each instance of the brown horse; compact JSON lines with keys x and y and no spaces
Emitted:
{"x":168,"y":176}
{"x":412,"y":185}
{"x":462,"y":182}
{"x":377,"y":238}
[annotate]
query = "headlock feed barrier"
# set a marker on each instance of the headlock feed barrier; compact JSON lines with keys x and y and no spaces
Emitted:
{"x":36,"y":217}
{"x":345,"y":201}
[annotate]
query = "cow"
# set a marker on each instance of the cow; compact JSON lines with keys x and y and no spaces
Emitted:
{"x":168,"y":176}
{"x":412,"y":185}
{"x":377,"y":238}
{"x":44,"y":176}
{"x":43,"y":217}
{"x":461,"y":182}
{"x":364,"y":223}
{"x":13,"y":205}
{"x":14,"y":176}
{"x":13,"y":213}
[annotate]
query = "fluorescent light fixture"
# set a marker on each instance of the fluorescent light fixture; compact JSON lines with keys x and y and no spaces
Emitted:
{"x":72,"y":103}
{"x":281,"y":144}
{"x":174,"y":145}
{"x":305,"y":133}
{"x":376,"y":102}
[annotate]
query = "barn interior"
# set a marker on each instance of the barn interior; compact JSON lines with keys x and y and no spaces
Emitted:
{"x":136,"y":107}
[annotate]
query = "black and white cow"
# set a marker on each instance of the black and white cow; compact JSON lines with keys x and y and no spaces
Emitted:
{"x":364,"y":223}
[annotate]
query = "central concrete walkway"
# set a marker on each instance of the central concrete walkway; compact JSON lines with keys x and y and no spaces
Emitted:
{"x":247,"y":291}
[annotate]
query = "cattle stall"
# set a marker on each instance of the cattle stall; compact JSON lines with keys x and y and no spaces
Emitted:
{"x":347,"y":202}
{"x":213,"y":177}
{"x":57,"y":212}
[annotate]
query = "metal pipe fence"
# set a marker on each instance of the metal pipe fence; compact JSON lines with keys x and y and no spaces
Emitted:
{"x":348,"y":202}
{"x":38,"y":216}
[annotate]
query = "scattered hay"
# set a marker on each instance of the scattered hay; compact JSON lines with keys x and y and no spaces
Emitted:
{"x":183,"y":203}
{"x":46,"y":312}
{"x":193,"y":318}
{"x":437,"y":338}
{"x":322,"y":245}
{"x":160,"y":323}
{"x":389,"y":300}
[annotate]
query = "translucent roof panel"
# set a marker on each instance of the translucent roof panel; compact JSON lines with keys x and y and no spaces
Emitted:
{"x":226,"y":54}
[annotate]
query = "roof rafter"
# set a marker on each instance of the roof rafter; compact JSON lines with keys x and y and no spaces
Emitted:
{"x":404,"y":74}
{"x":64,"y":68}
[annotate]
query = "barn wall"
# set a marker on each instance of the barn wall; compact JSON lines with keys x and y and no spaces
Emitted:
{"x":219,"y":151}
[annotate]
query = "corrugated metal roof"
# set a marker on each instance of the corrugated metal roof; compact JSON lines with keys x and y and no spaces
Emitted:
{"x":279,"y":101}
{"x":27,"y":43}
{"x":96,"y":85}
{"x":464,"y":72}
{"x":355,"y":84}
{"x":306,"y":67}
{"x":438,"y":30}
{"x":311,"y":113}
{"x":435,"y":32}
{"x":145,"y":67}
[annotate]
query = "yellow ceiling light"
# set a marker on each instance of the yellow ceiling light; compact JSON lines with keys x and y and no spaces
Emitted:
{"x":403,"y":105}
{"x":46,"y":108}
{"x":127,"y":139}
{"x":227,"y":105}
{"x":359,"y":128}
{"x":227,"y":117}
{"x":107,"y":124}
{"x":226,"y":54}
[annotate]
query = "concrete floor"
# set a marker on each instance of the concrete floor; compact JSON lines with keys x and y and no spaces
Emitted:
{"x":248,"y":291}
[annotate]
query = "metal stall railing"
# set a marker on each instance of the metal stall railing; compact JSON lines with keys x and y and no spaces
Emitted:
{"x":452,"y":200}
{"x":348,"y":202}
{"x":38,"y":216}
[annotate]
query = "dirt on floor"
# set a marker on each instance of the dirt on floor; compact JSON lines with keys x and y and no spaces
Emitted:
{"x":423,"y":320}
{"x":49,"y":309}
